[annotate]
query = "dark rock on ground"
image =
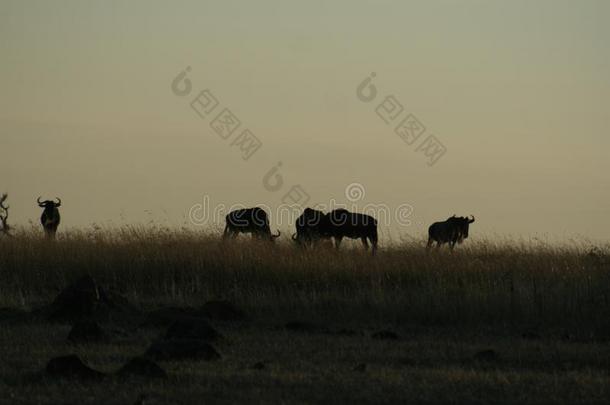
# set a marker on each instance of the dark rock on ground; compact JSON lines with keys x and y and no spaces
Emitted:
{"x":348,"y":332}
{"x":140,"y":400}
{"x":406,"y":361}
{"x":222,"y":311}
{"x":258,"y":366}
{"x":191,"y":328}
{"x":141,"y":367}
{"x":530,"y":335}
{"x":385,"y":335}
{"x":87,"y":332}
{"x":71,"y":366}
{"x":13,"y":315}
{"x":298,"y":326}
{"x":86,"y":300}
{"x":486,"y":355}
{"x":182,"y":349}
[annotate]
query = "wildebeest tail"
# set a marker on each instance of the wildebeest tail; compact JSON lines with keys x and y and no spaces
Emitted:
{"x":226,"y":231}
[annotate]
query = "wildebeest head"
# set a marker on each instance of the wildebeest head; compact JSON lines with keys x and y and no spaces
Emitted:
{"x":461,"y":224}
{"x":48,"y":204}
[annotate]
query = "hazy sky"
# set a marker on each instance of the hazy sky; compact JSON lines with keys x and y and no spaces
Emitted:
{"x":517,"y":92}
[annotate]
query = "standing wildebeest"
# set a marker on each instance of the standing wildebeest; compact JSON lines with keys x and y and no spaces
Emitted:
{"x":249,"y":220}
{"x":308,"y":226}
{"x":50,"y":216}
{"x":453,"y":230}
{"x":341,"y":223}
{"x":313,"y":226}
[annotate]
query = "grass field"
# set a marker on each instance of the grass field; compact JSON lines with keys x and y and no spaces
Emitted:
{"x":497,"y":321}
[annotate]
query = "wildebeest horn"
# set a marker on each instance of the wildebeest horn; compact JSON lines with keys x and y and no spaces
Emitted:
{"x":39,"y":202}
{"x":276,"y":236}
{"x":471,"y":220}
{"x":58,"y":202}
{"x":294,"y":237}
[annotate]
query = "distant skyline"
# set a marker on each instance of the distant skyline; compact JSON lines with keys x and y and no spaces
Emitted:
{"x":517,"y":92}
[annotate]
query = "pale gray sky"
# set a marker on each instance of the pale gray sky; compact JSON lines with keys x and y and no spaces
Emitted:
{"x":517,"y":91}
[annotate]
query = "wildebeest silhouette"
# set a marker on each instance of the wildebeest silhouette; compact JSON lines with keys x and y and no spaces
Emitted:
{"x":249,"y":220}
{"x":453,"y":230}
{"x":313,"y":225}
{"x":308,"y":228}
{"x":341,"y":223}
{"x":50,"y":216}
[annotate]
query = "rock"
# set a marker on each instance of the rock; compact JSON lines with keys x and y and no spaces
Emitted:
{"x":191,"y":328}
{"x":182,"y":349}
{"x":77,"y":301}
{"x":141,"y":367}
{"x":86,"y":300}
{"x":486,"y":356}
{"x":360,"y":367}
{"x":348,"y":332}
{"x":222,"y":311}
{"x":71,"y":366}
{"x":531,"y":335}
{"x":258,"y":366}
{"x":406,"y":361}
{"x":13,"y":315}
{"x":298,"y":326}
{"x":385,"y":335}
{"x":140,"y":399}
{"x":86,"y":332}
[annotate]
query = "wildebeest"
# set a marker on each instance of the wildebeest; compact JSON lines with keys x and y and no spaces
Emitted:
{"x":313,"y":225}
{"x":50,"y":216}
{"x":453,"y":230}
{"x":249,"y":220}
{"x":308,"y":228}
{"x":341,"y":223}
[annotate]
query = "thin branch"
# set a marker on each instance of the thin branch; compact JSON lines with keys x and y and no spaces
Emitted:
{"x":4,"y":214}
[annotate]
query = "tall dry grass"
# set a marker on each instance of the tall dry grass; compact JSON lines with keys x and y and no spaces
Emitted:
{"x":482,"y":283}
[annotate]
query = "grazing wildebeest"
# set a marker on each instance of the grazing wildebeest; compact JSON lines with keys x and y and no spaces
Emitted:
{"x":50,"y":216}
{"x":341,"y":223}
{"x":249,"y":220}
{"x":308,"y":228}
{"x":453,"y":230}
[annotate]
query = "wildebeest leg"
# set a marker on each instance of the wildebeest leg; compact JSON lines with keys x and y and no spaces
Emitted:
{"x":374,"y":244}
{"x":365,"y":243}
{"x":338,"y":242}
{"x":373,"y":238}
{"x":429,"y":244}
